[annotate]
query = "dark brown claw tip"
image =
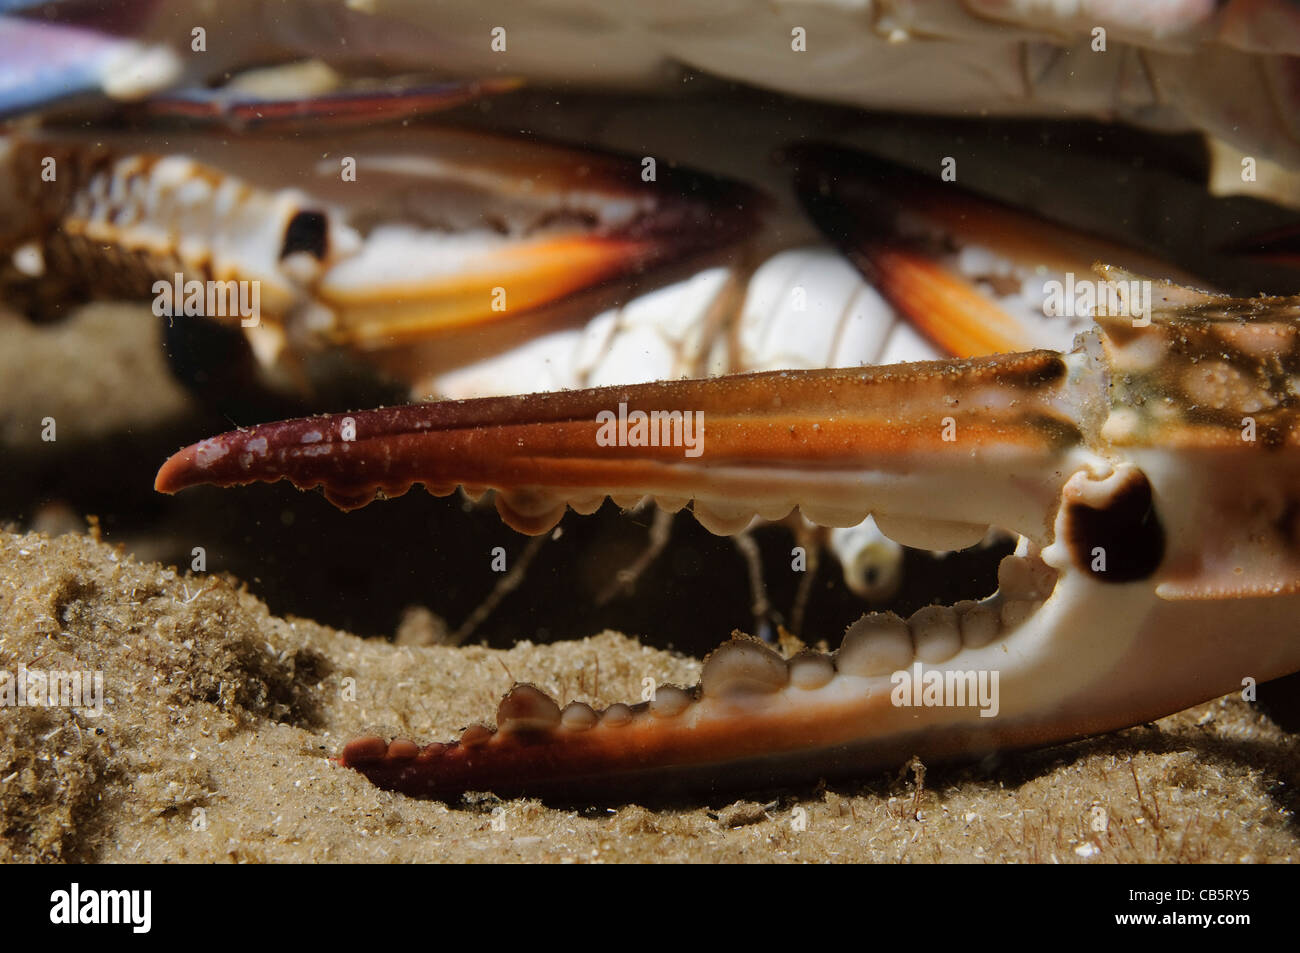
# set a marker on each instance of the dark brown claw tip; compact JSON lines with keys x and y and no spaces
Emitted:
{"x":346,"y":453}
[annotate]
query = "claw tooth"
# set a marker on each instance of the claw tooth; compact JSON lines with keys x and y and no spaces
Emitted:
{"x":937,"y":535}
{"x":775,"y":512}
{"x":671,"y":504}
{"x":936,"y":634}
{"x":578,"y":717}
{"x":432,"y":750}
{"x":530,"y":502}
{"x":723,"y":520}
{"x":538,"y":514}
{"x":627,"y":501}
{"x":811,"y":670}
{"x":400,"y":749}
{"x":669,"y":700}
{"x":617,"y":714}
{"x":346,"y":499}
{"x":586,"y":505}
{"x":1020,"y":578}
{"x":879,"y":643}
{"x":836,"y":516}
{"x":527,"y":708}
{"x":475,"y":735}
{"x":980,"y":624}
{"x":742,"y":667}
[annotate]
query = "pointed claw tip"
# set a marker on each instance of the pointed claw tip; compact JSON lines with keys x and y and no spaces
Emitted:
{"x":174,"y":474}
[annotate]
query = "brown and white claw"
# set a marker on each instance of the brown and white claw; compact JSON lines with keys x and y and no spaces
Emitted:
{"x":1154,"y":473}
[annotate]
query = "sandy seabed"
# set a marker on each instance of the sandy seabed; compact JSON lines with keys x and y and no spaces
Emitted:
{"x":220,"y":721}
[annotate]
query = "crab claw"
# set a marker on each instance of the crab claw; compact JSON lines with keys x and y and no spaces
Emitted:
{"x":973,"y":275}
{"x":491,"y":228}
{"x":1152,"y":471}
{"x":838,"y":443}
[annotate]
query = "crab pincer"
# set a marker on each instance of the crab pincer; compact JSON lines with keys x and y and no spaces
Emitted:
{"x":1159,"y":563}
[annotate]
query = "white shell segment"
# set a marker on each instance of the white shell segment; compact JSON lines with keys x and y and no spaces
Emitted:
{"x":661,"y":335}
{"x":809,"y":308}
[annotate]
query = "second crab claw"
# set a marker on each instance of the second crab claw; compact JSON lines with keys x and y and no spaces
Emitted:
{"x":971,"y":274}
{"x":352,"y":241}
